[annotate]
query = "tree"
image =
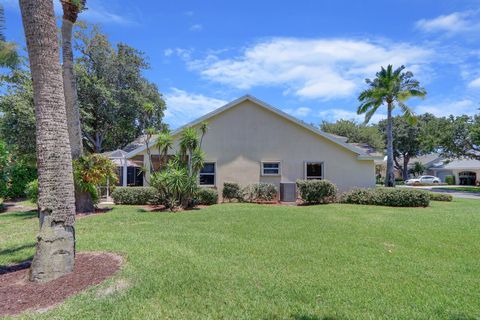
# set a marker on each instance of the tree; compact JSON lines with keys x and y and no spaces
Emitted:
{"x":71,"y":9}
{"x":391,"y":87}
{"x":355,"y":133}
{"x":54,"y":256}
{"x":409,"y":140}
{"x":113,"y":92}
{"x":418,"y":168}
{"x":8,"y":53}
{"x":17,"y":123}
{"x":459,"y":136}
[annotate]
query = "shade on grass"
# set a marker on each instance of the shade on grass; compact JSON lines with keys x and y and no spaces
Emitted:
{"x":242,"y":261}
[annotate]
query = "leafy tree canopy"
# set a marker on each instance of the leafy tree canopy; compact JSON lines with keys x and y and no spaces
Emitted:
{"x":356,"y":133}
{"x":113,"y":94}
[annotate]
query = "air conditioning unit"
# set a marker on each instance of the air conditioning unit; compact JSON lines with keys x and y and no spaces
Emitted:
{"x":288,"y":192}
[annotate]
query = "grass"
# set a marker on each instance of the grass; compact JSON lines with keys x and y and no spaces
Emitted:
{"x":461,"y":189}
{"x":241,"y":261}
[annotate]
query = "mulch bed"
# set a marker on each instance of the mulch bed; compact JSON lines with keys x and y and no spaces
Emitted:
{"x":17,"y":294}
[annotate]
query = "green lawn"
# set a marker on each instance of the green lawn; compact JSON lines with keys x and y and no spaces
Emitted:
{"x":242,"y":261}
{"x":462,"y":189}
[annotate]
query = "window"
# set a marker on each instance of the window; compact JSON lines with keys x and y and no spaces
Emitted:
{"x":207,"y":174}
{"x":313,"y":170}
{"x":270,"y":168}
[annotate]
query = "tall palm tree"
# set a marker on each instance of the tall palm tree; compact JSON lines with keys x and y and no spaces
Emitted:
{"x":55,"y":248}
{"x":393,"y":88}
{"x":71,"y":9}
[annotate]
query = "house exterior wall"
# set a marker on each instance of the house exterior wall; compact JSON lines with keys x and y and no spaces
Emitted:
{"x":240,"y":138}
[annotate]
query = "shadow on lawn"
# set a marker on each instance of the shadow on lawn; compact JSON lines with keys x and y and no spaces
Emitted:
{"x":24,"y":214}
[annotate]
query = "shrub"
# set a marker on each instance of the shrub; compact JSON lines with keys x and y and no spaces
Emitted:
{"x":440,"y":196}
{"x":31,"y":191}
{"x":450,"y":180}
{"x":259,"y":192}
{"x":175,"y":186}
{"x":136,"y":195}
{"x":316,"y":191}
{"x":206,"y":196}
{"x":265,"y":192}
{"x":231,"y":191}
{"x":392,"y":197}
{"x":19,"y":175}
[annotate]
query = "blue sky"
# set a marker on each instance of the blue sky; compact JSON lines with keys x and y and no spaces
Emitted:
{"x":309,"y":58}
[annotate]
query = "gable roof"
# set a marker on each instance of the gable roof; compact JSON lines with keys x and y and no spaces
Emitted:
{"x":341,"y":141}
{"x":457,"y":164}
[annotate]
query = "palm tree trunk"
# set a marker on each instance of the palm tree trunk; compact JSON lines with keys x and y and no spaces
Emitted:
{"x":390,"y":178}
{"x":83,"y":199}
{"x":69,"y":83}
{"x":55,"y":249}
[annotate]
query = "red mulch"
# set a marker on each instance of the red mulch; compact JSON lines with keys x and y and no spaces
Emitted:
{"x":17,"y":294}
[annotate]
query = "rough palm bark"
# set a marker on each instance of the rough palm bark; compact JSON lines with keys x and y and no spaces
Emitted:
{"x":83,"y":199}
{"x":55,"y":253}
{"x":70,"y":14}
{"x":390,"y":176}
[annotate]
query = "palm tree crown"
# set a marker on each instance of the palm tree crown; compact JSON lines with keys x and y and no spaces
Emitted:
{"x":392,"y":87}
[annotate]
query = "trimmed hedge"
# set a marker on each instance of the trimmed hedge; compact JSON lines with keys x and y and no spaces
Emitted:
{"x":206,"y":196}
{"x":440,"y":197}
{"x":136,"y":195}
{"x":316,"y":191}
{"x":392,"y":197}
{"x":232,"y":191}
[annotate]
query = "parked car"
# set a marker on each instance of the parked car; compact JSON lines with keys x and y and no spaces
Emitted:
{"x":423,"y":180}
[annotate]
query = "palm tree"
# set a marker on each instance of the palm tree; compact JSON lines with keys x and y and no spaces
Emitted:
{"x":71,"y":9}
{"x":393,"y":88}
{"x":55,"y":248}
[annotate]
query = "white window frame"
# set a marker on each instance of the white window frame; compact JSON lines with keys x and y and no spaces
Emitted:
{"x":306,"y":163}
{"x":271,"y":174}
{"x":209,"y":174}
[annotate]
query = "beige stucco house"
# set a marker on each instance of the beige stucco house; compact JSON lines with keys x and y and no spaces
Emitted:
{"x":249,"y":141}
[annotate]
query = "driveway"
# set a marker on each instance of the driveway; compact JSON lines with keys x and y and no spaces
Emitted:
{"x":443,"y":189}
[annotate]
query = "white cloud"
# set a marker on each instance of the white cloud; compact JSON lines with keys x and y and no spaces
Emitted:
{"x":299,"y":112}
{"x":183,"y":107}
{"x":475,"y":83}
{"x":332,"y":115}
{"x":309,"y":68}
{"x":196,"y":27}
{"x":452,"y":23}
{"x":449,"y":107}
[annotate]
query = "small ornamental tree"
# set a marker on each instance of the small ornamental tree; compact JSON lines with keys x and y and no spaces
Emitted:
{"x":177,"y":180}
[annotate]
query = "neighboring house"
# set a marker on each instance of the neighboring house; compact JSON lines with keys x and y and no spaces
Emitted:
{"x":465,"y":171}
{"x":249,"y":141}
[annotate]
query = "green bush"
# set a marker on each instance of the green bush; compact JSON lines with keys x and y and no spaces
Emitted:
{"x":450,"y":180}
{"x":31,"y":191}
{"x":136,"y":195}
{"x":440,"y":196}
{"x":19,"y":175}
{"x":231,"y":191}
{"x":392,"y":197}
{"x":265,"y":192}
{"x":316,"y":191}
{"x":259,"y":192}
{"x":206,"y":196}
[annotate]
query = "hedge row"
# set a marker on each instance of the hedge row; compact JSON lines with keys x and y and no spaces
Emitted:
{"x":136,"y":195}
{"x":257,"y":192}
{"x":440,"y":197}
{"x":392,"y":197}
